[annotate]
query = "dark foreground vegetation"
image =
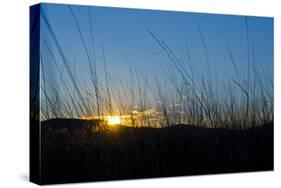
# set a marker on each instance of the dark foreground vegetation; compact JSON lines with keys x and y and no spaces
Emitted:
{"x":85,"y":150}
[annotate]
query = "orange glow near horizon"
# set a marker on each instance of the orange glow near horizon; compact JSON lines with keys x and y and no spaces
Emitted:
{"x":110,"y":120}
{"x":147,"y":117}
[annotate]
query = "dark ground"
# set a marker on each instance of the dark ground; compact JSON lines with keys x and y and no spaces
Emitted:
{"x":76,"y":150}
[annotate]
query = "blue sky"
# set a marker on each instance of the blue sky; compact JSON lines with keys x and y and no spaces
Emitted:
{"x":123,"y":32}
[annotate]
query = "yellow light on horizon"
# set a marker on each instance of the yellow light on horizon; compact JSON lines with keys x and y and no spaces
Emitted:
{"x":114,"y":120}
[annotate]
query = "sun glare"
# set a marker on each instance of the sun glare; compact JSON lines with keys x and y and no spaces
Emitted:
{"x":114,"y":120}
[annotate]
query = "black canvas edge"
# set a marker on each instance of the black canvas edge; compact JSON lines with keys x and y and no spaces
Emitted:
{"x":34,"y":95}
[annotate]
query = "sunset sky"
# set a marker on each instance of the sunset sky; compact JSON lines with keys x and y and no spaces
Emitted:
{"x":123,"y":33}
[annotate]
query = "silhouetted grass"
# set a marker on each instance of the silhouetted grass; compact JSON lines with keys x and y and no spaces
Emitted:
{"x":204,"y":129}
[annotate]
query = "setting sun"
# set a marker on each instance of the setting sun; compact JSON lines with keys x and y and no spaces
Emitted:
{"x":114,"y":120}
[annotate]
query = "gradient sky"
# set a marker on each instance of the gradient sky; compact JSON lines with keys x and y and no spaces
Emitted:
{"x":123,"y":32}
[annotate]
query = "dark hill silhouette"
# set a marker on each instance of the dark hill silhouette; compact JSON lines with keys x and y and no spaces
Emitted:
{"x":87,"y":150}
